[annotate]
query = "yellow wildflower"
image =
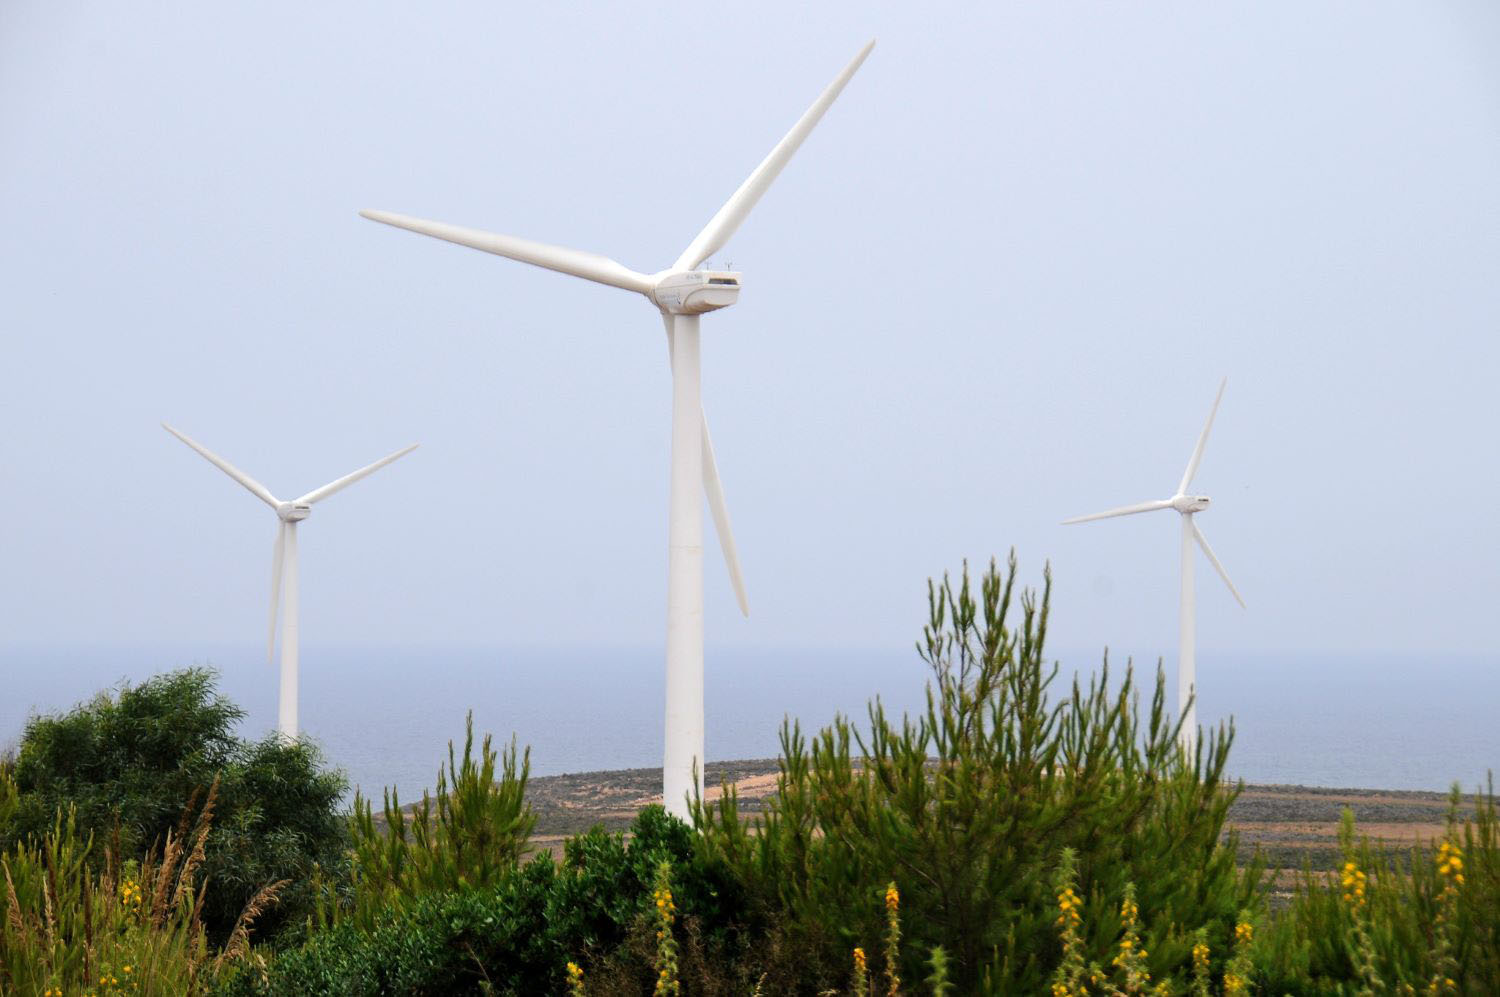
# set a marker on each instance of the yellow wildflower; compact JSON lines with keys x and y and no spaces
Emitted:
{"x":1354,"y":882}
{"x":861,"y":972}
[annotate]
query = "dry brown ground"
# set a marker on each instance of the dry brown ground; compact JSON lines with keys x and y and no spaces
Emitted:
{"x":1290,"y":825}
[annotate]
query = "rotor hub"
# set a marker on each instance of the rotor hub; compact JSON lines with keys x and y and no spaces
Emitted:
{"x":290,"y":512}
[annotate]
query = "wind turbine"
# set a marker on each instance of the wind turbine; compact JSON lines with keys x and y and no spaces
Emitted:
{"x":1188,"y":506}
{"x":682,"y":293}
{"x":284,"y":563}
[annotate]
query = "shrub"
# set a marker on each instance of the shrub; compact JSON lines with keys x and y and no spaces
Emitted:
{"x":517,"y":935}
{"x":127,"y":762}
{"x":133,"y":927}
{"x":1394,"y":921}
{"x":969,"y":805}
{"x":475,"y":837}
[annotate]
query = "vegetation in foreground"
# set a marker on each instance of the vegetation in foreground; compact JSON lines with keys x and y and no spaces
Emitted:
{"x":1013,"y":838}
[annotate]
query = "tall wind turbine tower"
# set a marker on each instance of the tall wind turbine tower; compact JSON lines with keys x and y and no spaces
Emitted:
{"x":1188,"y":506}
{"x":682,"y":293}
{"x":284,"y":564}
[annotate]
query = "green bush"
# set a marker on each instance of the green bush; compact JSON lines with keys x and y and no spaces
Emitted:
{"x":516,"y":936}
{"x":474,"y":838}
{"x":1395,"y":921}
{"x":128,"y":762}
{"x":968,"y":806}
{"x":124,"y":928}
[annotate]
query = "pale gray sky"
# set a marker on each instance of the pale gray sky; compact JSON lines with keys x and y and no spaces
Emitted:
{"x":997,"y":287}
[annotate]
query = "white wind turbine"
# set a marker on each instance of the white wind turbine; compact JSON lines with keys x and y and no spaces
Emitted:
{"x":284,"y":563}
{"x":681,"y":292}
{"x":1187,"y":505}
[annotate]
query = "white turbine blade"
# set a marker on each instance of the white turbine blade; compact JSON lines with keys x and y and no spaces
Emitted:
{"x":1203,"y":542}
{"x":589,"y":266}
{"x":713,"y":488}
{"x":349,"y":479}
{"x":1192,"y":468}
{"x":255,"y":487}
{"x":276,"y":561}
{"x":723,"y":225}
{"x":1124,"y":510}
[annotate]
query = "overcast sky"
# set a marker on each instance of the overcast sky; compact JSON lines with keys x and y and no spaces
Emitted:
{"x":996,"y":288}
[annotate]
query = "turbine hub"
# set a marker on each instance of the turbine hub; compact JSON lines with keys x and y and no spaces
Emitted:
{"x":1190,"y":503}
{"x":290,"y":512}
{"x":693,"y":292}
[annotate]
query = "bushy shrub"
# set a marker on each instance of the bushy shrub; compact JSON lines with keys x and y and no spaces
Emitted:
{"x":128,"y":928}
{"x":469,"y":833}
{"x":128,"y":762}
{"x":516,"y":936}
{"x":968,"y":806}
{"x":1402,"y":922}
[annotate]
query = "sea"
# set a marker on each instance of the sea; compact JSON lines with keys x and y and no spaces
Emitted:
{"x":385,"y":716}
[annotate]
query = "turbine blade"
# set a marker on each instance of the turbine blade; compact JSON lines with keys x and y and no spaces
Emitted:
{"x":319,"y":494}
{"x":1124,"y":510}
{"x":1203,"y":542}
{"x":276,"y":563}
{"x":255,"y":487}
{"x":1192,"y":468}
{"x":589,"y":266}
{"x":713,"y":489}
{"x":723,"y":225}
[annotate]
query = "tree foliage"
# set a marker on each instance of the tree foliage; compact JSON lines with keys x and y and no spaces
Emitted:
{"x":128,"y":763}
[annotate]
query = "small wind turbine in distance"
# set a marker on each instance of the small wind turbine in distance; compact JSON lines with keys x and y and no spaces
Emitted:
{"x":682,"y":292}
{"x":1188,"y":506}
{"x":284,"y":564}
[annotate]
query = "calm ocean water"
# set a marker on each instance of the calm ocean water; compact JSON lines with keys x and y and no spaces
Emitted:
{"x":385,"y":715}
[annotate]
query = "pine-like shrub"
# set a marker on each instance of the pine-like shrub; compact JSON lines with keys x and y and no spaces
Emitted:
{"x":471,"y":832}
{"x":968,"y":806}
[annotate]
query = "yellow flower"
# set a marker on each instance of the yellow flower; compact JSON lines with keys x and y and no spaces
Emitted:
{"x":859,"y":958}
{"x":1243,"y":932}
{"x":892,"y":898}
{"x":1354,"y":882}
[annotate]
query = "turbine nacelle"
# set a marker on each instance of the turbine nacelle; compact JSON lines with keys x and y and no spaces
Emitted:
{"x":693,"y":292}
{"x":1190,"y":503}
{"x":293,"y":512}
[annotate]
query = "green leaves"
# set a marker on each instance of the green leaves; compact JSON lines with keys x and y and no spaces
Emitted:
{"x":517,"y":934}
{"x":127,"y":762}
